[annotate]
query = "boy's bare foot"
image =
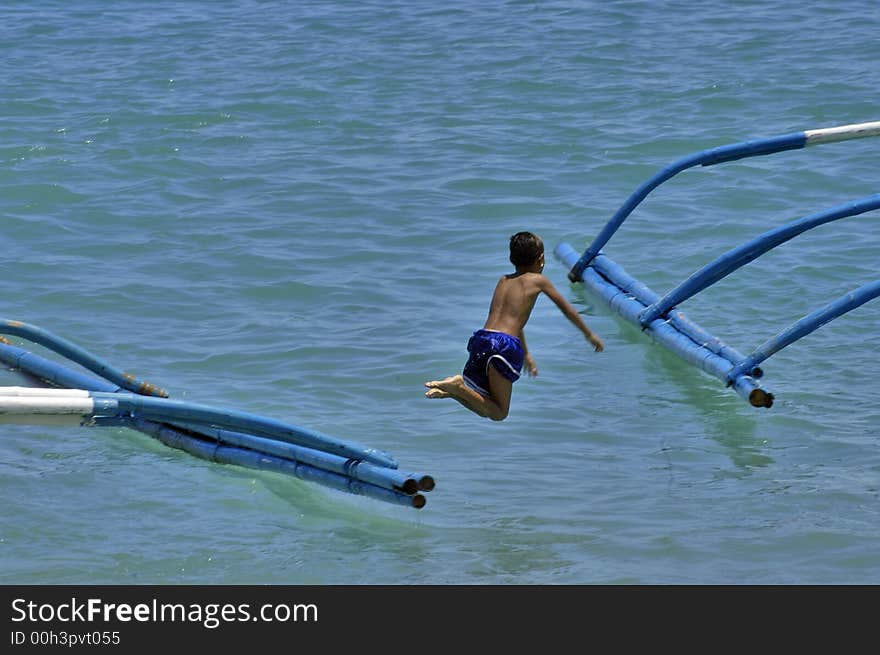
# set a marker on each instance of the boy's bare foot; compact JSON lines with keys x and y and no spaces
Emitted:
{"x":444,"y":388}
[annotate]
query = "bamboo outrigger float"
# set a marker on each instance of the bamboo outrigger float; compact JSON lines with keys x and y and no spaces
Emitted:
{"x":114,"y":398}
{"x":659,"y":316}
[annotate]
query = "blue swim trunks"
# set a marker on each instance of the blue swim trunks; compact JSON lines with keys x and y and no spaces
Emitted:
{"x":501,"y":350}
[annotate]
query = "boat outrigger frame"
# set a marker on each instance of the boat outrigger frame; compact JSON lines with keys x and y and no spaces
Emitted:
{"x":659,"y":315}
{"x":98,"y":394}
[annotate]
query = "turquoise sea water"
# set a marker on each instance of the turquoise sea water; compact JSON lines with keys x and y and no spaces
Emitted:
{"x":301,"y":211}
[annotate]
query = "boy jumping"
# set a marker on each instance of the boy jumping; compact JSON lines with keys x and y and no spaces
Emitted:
{"x":498,"y":351}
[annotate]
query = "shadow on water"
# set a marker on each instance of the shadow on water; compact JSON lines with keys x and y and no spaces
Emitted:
{"x":726,"y":417}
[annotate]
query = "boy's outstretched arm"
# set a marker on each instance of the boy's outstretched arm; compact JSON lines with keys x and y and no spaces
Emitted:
{"x":531,"y":367}
{"x":570,"y":313}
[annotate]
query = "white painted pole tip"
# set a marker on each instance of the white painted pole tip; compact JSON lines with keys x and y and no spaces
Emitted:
{"x":842,"y":133}
{"x":46,"y":405}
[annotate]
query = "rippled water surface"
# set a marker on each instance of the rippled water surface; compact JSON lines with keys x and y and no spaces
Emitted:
{"x":301,"y":212}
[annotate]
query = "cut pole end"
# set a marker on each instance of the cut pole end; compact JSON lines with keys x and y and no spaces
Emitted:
{"x":426,"y":483}
{"x":418,"y":501}
{"x":761,"y":398}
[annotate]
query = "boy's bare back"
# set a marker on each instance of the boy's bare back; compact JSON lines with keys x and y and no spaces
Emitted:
{"x":513,"y":301}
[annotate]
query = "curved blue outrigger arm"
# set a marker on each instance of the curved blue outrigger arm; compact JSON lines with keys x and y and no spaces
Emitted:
{"x":81,"y":356}
{"x":731,"y":152}
{"x":747,"y":252}
{"x":805,"y":326}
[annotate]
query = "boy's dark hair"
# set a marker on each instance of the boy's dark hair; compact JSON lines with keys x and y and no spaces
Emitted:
{"x":525,"y":248}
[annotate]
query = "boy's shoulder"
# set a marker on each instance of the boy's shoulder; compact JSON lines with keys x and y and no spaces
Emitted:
{"x":537,"y":278}
{"x":526,"y":275}
{"x":534,"y":282}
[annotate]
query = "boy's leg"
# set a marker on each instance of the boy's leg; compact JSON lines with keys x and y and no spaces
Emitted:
{"x":500,"y":389}
{"x":454,"y":387}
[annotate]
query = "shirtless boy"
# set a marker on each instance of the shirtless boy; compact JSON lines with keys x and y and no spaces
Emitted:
{"x":498,"y":351}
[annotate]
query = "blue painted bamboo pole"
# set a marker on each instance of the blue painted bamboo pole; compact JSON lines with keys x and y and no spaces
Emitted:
{"x":80,"y":356}
{"x":611,"y":270}
{"x":377,"y":475}
{"x":51,"y":372}
{"x":224,"y":454}
{"x":808,"y":324}
{"x":712,"y":156}
{"x":175,"y":411}
{"x":664,"y":332}
{"x":742,"y":255}
{"x":704,"y":158}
